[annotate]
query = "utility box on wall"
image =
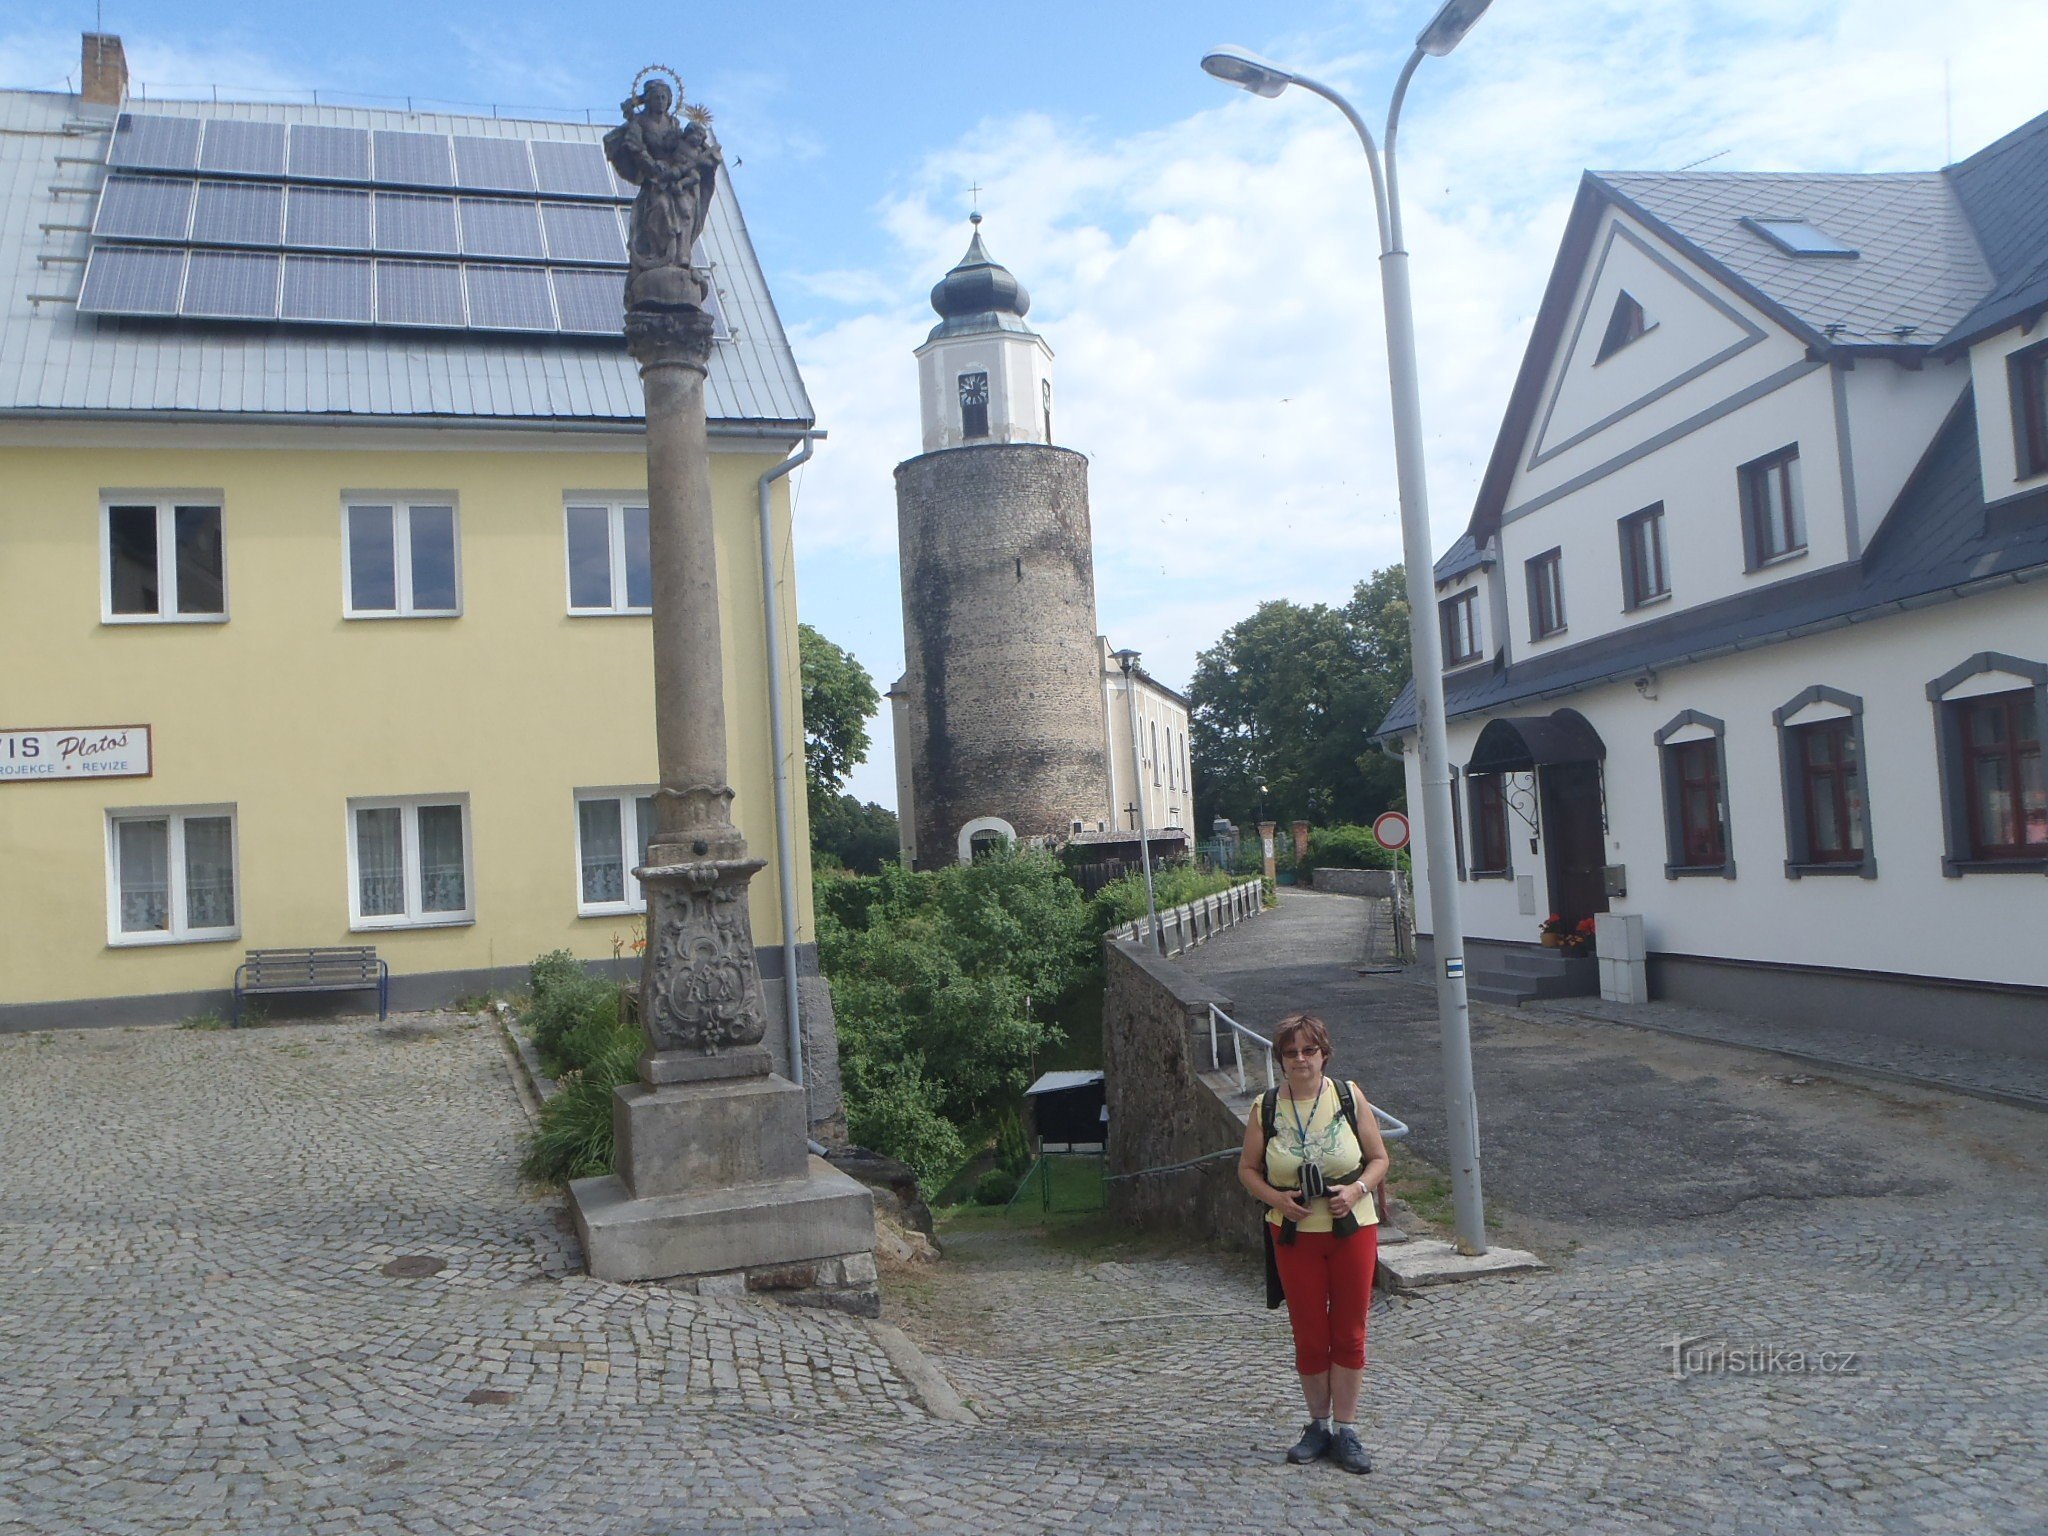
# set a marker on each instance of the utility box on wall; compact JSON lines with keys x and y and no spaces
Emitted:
{"x":1624,"y":957}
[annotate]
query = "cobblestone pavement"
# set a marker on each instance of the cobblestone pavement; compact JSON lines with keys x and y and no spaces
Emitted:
{"x":198,"y":1334}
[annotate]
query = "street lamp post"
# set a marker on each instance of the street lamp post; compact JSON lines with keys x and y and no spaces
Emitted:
{"x":1128,"y":660}
{"x":1262,"y":77}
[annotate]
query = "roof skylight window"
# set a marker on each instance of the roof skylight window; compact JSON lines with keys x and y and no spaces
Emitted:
{"x":1796,"y":237}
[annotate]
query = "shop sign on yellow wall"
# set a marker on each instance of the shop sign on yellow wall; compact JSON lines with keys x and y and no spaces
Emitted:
{"x":75,"y":752}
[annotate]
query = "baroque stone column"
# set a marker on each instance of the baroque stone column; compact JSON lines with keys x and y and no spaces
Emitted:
{"x":715,"y":1183}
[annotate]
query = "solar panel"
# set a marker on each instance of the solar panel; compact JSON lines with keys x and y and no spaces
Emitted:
{"x":232,"y":285}
{"x":419,"y":293}
{"x":583,"y":232}
{"x":492,"y":165}
{"x":144,"y":208}
{"x":330,"y":218}
{"x":590,"y":303}
{"x":251,"y":149}
{"x":327,"y":288}
{"x":238,"y":213}
{"x":408,"y":221}
{"x":491,"y":227}
{"x":576,"y":169}
{"x":413,"y":159}
{"x":332,"y":154}
{"x":509,"y":298}
{"x":155,"y":143}
{"x":132,"y":280}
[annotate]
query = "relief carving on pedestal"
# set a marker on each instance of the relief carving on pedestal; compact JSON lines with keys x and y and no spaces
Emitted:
{"x":702,"y":992}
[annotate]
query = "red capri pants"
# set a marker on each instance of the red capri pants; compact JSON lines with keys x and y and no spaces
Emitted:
{"x":1328,"y":1280}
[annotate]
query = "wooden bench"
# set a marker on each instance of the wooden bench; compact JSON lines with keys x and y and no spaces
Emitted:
{"x":348,"y":968}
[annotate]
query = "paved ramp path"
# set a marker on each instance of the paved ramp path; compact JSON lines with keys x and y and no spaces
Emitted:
{"x":199,"y":1334}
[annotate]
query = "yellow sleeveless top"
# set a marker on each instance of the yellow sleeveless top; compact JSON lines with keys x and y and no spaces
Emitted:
{"x":1302,"y":1133}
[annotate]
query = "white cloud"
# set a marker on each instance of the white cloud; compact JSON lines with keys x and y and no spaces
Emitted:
{"x":1210,"y":286}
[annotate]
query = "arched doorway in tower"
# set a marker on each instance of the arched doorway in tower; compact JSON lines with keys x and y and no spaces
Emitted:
{"x":984,"y":835}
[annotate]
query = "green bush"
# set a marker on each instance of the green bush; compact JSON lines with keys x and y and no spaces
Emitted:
{"x":995,"y":1187}
{"x":1122,"y":901}
{"x":1344,"y":847}
{"x":943,"y":981}
{"x":551,"y":970}
{"x":1013,"y":1149}
{"x":569,"y":1021}
{"x":574,"y":1137}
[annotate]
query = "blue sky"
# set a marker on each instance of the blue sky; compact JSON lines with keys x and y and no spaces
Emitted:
{"x":1200,"y":261}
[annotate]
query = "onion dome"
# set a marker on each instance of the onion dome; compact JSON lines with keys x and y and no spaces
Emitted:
{"x":979,"y":289}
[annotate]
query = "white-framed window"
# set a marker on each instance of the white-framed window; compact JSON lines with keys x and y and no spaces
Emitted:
{"x":400,"y":558}
{"x":609,"y":571}
{"x":613,"y":829}
{"x":409,"y":862}
{"x":171,"y":875}
{"x":163,"y":560}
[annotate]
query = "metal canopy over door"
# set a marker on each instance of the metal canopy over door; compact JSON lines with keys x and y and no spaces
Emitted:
{"x":1565,"y":753}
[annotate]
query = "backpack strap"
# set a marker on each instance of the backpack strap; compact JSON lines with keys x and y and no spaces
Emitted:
{"x":1347,"y":1106}
{"x":1269,"y":1108}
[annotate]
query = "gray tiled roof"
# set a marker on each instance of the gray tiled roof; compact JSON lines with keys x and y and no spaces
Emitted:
{"x":2004,"y":190}
{"x":1918,"y":263}
{"x":1462,"y":556}
{"x":1938,"y":536}
{"x":55,"y":361}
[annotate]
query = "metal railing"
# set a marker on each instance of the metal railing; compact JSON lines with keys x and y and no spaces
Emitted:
{"x":1194,"y":922}
{"x":1391,"y":1129}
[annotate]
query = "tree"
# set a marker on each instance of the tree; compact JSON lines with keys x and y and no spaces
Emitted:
{"x":862,"y":837}
{"x":1289,"y":698}
{"x":838,"y":696}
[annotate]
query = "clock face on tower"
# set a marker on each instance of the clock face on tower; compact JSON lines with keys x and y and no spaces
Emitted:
{"x":974,"y":405}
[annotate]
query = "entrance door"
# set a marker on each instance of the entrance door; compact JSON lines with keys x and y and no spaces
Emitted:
{"x":1574,"y":841}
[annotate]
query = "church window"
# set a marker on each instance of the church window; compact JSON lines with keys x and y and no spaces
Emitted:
{"x":974,"y":405}
{"x":1045,"y":394}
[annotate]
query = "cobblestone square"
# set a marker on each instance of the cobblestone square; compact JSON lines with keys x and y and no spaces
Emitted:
{"x":204,"y":1328}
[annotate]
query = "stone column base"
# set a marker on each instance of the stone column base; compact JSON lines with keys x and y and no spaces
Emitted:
{"x":820,"y":1215}
{"x":845,"y":1282}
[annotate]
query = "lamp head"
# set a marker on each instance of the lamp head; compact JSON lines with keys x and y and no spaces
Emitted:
{"x":1124,"y":659}
{"x":1247,"y":71}
{"x":1448,"y":28}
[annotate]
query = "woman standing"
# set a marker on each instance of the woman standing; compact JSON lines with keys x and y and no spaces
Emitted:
{"x":1313,"y":1154}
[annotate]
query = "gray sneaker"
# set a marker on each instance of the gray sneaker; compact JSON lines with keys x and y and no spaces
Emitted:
{"x":1313,"y":1445}
{"x":1347,"y":1453}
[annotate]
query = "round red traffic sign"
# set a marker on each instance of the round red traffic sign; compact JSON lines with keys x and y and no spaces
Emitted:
{"x":1390,"y":830}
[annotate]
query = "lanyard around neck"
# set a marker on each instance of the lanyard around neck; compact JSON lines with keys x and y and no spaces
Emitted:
{"x":1301,"y":1126}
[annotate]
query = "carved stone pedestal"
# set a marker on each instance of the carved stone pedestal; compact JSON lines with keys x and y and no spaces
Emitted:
{"x":714,"y":1180}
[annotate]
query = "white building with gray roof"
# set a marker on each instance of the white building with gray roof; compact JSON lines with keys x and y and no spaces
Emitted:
{"x":1745,"y":638}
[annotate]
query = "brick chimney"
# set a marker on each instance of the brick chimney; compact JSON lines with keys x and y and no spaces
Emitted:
{"x":105,"y":70}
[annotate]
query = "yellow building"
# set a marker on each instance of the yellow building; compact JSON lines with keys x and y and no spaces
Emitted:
{"x":324,"y":610}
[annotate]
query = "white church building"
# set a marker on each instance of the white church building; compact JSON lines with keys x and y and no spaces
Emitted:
{"x":1748,"y":633}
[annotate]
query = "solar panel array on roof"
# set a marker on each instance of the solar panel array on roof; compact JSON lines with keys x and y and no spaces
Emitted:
{"x":144,"y":280}
{"x":241,"y":219}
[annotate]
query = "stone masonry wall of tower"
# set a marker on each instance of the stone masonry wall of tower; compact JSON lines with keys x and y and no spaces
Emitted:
{"x":999,"y":642}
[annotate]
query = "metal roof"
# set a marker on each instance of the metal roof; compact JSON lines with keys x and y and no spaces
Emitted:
{"x":56,"y":362}
{"x":2001,"y":187}
{"x":1938,"y":541}
{"x":1917,"y":268}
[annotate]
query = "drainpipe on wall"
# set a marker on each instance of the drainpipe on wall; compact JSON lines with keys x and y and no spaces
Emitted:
{"x":778,"y":746}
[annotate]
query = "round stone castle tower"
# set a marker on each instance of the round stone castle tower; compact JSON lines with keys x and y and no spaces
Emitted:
{"x":999,"y":714}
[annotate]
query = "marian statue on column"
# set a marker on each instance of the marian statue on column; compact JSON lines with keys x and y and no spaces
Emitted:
{"x":675,"y":166}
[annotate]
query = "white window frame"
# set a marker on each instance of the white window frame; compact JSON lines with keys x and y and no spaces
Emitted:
{"x":401,"y":505}
{"x":180,"y":932}
{"x":615,"y":505}
{"x":627,"y":798}
{"x":409,"y":859}
{"x":166,"y":504}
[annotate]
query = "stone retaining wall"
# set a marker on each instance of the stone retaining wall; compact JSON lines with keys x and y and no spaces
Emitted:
{"x":1355,"y":882}
{"x":1155,"y":1034}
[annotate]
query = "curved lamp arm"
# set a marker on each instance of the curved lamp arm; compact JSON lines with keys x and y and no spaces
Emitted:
{"x":1389,"y":221}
